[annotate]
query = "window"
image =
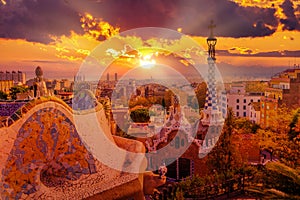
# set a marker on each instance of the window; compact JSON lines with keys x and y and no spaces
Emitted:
{"x":268,"y":107}
{"x":258,"y":100}
{"x":251,"y":100}
{"x":238,"y":101}
{"x":245,"y":100}
{"x":177,"y":142}
{"x":262,"y":105}
{"x":237,"y":114}
{"x":184,"y":168}
{"x":244,"y":107}
{"x":244,"y":114}
{"x":237,"y":107}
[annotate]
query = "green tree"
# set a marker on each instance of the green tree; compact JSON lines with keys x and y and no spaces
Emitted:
{"x":3,"y":95}
{"x":244,"y":125}
{"x":294,"y":132}
{"x":140,"y":115}
{"x":191,"y":186}
{"x":280,"y":120}
{"x":281,"y":137}
{"x":201,"y":94}
{"x":179,"y":194}
{"x":13,"y":91}
{"x":225,"y":159}
{"x":282,"y":178}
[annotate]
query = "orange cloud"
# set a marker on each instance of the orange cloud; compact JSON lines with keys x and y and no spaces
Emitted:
{"x":241,"y":50}
{"x":276,"y":4}
{"x":98,"y":28}
{"x":74,"y":47}
{"x":77,"y":46}
{"x":3,"y":2}
{"x":259,"y":3}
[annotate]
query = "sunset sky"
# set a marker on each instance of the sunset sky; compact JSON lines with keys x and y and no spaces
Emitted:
{"x":58,"y":34}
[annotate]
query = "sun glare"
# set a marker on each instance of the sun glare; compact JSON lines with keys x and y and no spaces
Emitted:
{"x":147,"y":61}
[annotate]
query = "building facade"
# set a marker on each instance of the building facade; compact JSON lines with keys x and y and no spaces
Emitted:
{"x":239,"y":102}
{"x":291,"y":96}
{"x":268,"y":109}
{"x":18,"y":77}
{"x":254,"y":112}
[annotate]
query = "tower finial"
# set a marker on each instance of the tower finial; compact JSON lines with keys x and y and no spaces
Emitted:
{"x":211,"y":42}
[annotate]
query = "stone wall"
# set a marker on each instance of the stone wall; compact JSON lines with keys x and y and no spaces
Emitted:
{"x":42,"y":157}
{"x":8,"y":108}
{"x":49,"y":142}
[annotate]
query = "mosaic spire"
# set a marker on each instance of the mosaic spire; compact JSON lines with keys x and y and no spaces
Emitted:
{"x":211,"y":94}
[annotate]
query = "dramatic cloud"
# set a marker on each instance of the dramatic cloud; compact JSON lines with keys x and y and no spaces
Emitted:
{"x":98,"y":28}
{"x":240,"y":50}
{"x":191,"y":16}
{"x":249,"y":53}
{"x":36,"y":20}
{"x":291,"y":22}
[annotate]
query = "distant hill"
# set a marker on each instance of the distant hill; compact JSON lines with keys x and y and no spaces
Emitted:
{"x":230,"y":72}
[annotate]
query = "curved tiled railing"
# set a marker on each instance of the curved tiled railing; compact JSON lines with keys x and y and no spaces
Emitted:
{"x":21,"y":112}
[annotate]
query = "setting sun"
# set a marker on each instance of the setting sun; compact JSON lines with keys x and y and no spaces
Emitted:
{"x":147,"y":61}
